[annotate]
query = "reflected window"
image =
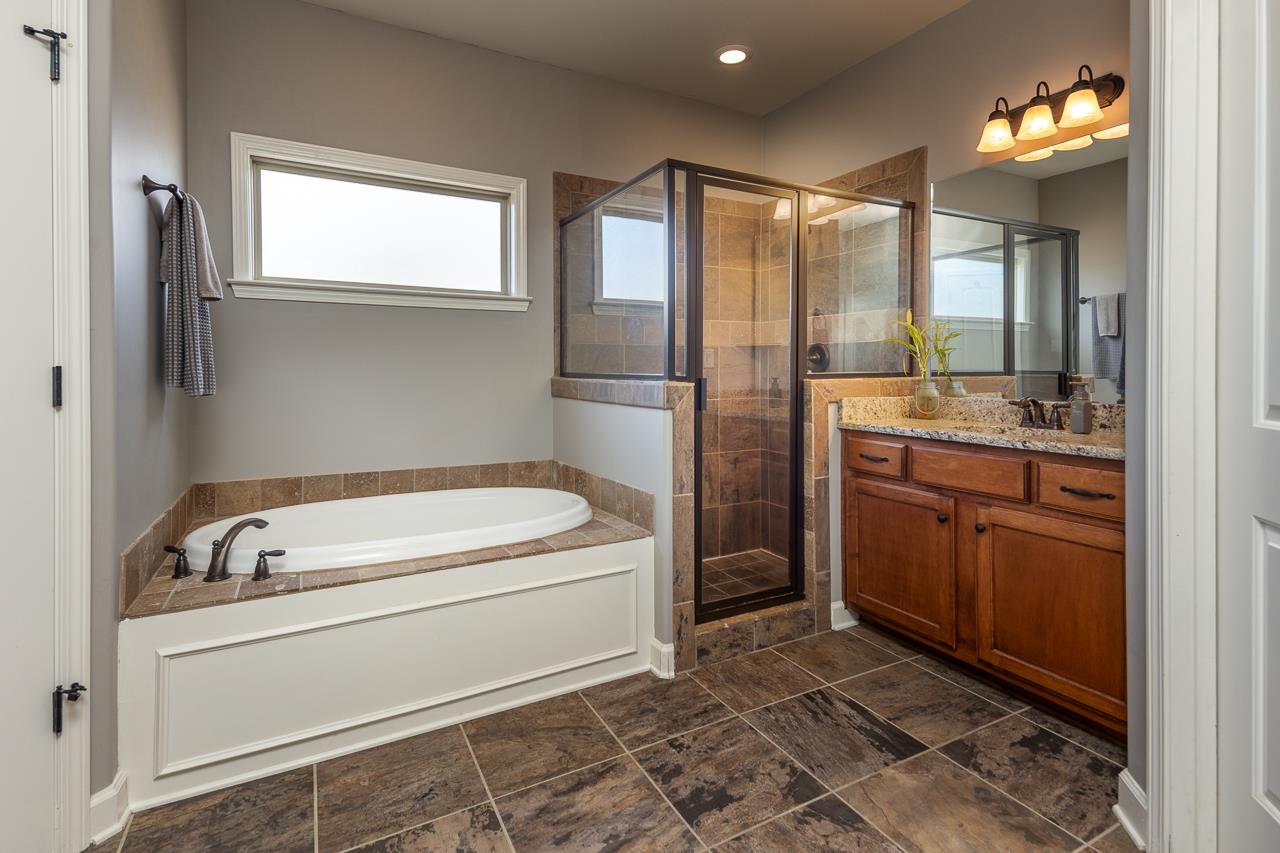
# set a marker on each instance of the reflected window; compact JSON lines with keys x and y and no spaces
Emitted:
{"x":632,"y":257}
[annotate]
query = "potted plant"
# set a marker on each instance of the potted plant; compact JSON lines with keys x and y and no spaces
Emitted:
{"x":943,"y":335}
{"x":916,"y":343}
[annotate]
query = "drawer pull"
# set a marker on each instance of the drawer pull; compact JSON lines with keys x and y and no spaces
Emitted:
{"x":980,"y":527}
{"x":1085,"y":493}
{"x":871,"y":458}
{"x":942,"y":518}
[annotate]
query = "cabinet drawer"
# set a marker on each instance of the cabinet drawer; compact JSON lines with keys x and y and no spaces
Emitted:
{"x":966,"y":471}
{"x":886,"y":458}
{"x":1089,"y":491}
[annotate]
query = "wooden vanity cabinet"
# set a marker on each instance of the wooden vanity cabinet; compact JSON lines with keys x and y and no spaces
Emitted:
{"x":979,"y":553}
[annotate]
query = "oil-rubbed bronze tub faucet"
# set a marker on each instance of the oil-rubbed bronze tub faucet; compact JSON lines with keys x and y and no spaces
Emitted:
{"x":222,"y":549}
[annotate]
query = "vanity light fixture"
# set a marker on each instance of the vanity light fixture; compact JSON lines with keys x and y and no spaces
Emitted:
{"x":1033,"y":156}
{"x":733,"y":54}
{"x":998,"y":134}
{"x":1120,"y":131}
{"x":1082,"y":108}
{"x":1037,"y":121}
{"x":783,"y":209}
{"x":1074,"y":144}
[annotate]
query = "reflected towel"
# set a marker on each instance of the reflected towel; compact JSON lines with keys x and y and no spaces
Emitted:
{"x":188,"y":268}
{"x":1106,"y":314}
{"x":1108,"y":350}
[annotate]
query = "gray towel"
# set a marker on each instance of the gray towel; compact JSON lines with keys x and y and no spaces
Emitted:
{"x":192,"y":278}
{"x":1108,"y":350}
{"x":1106,"y":313}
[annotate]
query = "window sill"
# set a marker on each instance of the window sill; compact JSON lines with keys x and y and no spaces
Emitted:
{"x":630,"y":307}
{"x":348,"y":293}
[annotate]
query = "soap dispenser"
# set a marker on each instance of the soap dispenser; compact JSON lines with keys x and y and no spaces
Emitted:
{"x":1081,"y":420}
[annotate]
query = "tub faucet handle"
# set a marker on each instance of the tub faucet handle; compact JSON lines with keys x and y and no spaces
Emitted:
{"x":181,"y":566}
{"x":262,"y":571}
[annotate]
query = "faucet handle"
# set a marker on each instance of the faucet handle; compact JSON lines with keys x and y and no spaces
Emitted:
{"x":1055,"y":419}
{"x":181,"y":566}
{"x":1025,"y":404}
{"x":261,"y":571}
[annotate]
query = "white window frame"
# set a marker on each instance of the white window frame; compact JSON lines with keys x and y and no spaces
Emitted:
{"x":249,"y":151}
{"x":604,"y":305}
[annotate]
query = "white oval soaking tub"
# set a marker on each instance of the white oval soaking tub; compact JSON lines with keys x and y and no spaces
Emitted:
{"x":387,"y":528}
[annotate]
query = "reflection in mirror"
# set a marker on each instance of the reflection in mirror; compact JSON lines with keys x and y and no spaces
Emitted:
{"x":1027,"y":258}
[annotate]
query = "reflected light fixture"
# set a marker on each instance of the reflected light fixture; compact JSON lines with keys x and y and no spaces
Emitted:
{"x":1037,"y":121}
{"x":1033,"y":156}
{"x":733,"y":54}
{"x":783,"y":209}
{"x":1120,"y":131}
{"x":997,"y":135}
{"x":1074,"y":144}
{"x":1082,"y":106}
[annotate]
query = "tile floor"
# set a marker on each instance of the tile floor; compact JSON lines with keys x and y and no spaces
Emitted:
{"x":841,"y":741}
{"x":739,"y":574}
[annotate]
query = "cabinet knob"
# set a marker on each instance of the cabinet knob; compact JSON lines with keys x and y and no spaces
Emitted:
{"x":980,"y":527}
{"x":942,"y":518}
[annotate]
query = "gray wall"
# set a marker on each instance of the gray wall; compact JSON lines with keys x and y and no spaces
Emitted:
{"x":314,"y":388}
{"x":140,"y":427}
{"x":992,"y":193}
{"x":936,"y":87}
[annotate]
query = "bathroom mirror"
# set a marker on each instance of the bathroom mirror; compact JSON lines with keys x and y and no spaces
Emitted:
{"x":1026,"y":259}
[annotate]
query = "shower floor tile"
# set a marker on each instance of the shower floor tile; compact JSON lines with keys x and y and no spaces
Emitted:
{"x":845,"y":740}
{"x":732,"y":575}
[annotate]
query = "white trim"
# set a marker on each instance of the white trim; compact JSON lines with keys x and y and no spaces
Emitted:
{"x":1181,"y":432}
{"x":71,"y":441}
{"x":840,"y":617}
{"x":662,"y":658}
{"x":109,"y":809}
{"x":1131,"y":810}
{"x":247,"y":284}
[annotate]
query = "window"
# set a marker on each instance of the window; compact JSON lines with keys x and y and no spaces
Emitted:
{"x":319,"y":224}
{"x":632,"y":257}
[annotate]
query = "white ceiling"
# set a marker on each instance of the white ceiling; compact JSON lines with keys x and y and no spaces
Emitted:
{"x":1101,"y":151}
{"x":670,"y":45}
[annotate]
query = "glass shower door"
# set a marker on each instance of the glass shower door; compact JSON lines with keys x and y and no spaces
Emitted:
{"x":745,"y":426}
{"x":1043,"y":318}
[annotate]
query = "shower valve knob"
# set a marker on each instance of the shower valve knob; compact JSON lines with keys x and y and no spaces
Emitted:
{"x":181,"y":566}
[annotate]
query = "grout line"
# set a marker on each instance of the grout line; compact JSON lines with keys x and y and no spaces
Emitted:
{"x":124,"y":833}
{"x":1111,"y":761}
{"x":493,"y":804}
{"x":362,"y":844}
{"x":1002,"y":705}
{"x":315,"y":808}
{"x":644,"y":772}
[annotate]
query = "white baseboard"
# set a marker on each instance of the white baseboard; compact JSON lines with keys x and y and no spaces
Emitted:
{"x":841,"y":618}
{"x":662,"y":658}
{"x":1132,"y":809}
{"x":109,"y":809}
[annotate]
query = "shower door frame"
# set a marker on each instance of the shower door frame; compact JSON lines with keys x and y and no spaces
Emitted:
{"x":696,"y":182}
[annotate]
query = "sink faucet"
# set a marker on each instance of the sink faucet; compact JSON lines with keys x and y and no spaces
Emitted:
{"x":1032,"y":413}
{"x":222,"y":549}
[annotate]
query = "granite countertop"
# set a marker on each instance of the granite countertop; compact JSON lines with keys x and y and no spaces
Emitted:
{"x":986,"y":421}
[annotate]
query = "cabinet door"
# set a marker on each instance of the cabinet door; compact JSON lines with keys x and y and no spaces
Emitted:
{"x":1050,"y":605}
{"x":902,"y":565}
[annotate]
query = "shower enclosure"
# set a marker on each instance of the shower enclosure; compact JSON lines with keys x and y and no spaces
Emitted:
{"x":744,"y":286}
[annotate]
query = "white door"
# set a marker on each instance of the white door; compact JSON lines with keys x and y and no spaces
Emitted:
{"x":27,"y":423}
{"x":1249,"y":429}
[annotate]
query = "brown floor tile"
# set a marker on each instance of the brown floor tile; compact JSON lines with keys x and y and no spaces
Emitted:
{"x":835,"y":655}
{"x":877,"y":637}
{"x":930,"y":708}
{"x":928,"y":804}
{"x":968,"y":682}
{"x":475,"y":830}
{"x":608,"y":806}
{"x":375,"y":792}
{"x":1115,"y":841}
{"x":239,"y":818}
{"x":643,"y":709}
{"x":533,"y":743}
{"x":753,"y":680}
{"x":1105,"y":747}
{"x":1066,"y":783}
{"x":725,"y":778}
{"x":826,"y":826}
{"x":834,"y":737}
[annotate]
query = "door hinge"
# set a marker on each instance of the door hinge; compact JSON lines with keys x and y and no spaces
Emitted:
{"x":57,"y":386}
{"x":55,"y":48}
{"x":71,"y":694}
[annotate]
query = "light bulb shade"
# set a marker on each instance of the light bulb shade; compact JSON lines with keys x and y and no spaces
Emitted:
{"x":1037,"y":119}
{"x":997,"y":135}
{"x":1082,"y":107}
{"x":1074,"y":144}
{"x":1120,"y":131}
{"x":783,"y":209}
{"x":1033,"y":156}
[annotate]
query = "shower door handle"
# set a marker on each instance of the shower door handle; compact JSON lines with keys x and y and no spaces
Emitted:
{"x":700,"y":393}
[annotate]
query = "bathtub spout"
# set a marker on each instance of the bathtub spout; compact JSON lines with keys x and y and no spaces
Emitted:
{"x":222,"y":549}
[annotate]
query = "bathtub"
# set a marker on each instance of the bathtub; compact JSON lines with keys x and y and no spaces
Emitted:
{"x":387,"y":528}
{"x":222,"y":694}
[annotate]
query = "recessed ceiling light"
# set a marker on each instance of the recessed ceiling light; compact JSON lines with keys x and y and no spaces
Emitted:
{"x":733,"y":54}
